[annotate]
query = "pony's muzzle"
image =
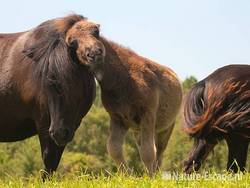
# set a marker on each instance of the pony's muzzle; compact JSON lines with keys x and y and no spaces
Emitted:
{"x":61,"y":136}
{"x":95,"y":55}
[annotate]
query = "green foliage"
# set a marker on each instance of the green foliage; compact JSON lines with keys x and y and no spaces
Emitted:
{"x":20,"y":158}
{"x":73,"y":162}
{"x":177,"y":150}
{"x":87,"y":152}
{"x":188,"y":83}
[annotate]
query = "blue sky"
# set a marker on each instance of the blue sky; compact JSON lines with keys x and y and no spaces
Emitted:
{"x":193,"y":37}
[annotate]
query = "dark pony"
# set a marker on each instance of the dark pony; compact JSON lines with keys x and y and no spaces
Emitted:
{"x":45,"y":85}
{"x":217,"y":108}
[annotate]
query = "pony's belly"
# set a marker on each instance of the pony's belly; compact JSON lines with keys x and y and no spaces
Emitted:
{"x":11,"y":131}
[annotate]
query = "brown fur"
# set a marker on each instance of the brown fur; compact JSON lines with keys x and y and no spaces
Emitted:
{"x":141,"y":95}
{"x":45,"y":87}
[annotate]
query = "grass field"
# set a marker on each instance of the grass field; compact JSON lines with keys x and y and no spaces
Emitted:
{"x":120,"y":181}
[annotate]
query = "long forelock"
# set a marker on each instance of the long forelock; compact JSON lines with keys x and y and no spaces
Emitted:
{"x":56,"y":71}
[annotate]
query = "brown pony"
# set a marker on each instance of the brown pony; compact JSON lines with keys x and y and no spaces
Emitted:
{"x":141,"y":95}
{"x":217,"y":108}
{"x":45,"y":86}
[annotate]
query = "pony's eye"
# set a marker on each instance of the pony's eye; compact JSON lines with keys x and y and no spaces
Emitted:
{"x":95,"y":32}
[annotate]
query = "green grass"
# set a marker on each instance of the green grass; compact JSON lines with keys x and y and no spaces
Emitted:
{"x":125,"y":181}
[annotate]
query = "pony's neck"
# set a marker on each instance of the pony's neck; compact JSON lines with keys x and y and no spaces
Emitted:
{"x":114,"y":73}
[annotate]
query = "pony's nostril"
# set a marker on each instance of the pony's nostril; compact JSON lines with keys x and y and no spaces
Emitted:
{"x":51,"y":132}
{"x":87,"y":54}
{"x":94,"y":55}
{"x":65,"y":133}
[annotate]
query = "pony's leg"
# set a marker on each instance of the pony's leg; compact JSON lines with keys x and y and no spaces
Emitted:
{"x":237,"y":150}
{"x":51,"y":155}
{"x":115,"y":141}
{"x":162,"y":139}
{"x":147,"y":143}
{"x":137,"y":139}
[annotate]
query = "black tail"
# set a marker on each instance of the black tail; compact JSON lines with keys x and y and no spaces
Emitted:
{"x":194,"y":106}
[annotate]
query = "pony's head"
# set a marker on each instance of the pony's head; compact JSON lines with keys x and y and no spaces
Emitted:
{"x":201,"y":148}
{"x":83,"y":38}
{"x":64,"y":87}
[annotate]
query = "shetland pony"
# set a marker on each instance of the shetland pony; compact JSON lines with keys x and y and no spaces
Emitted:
{"x":45,"y":86}
{"x":217,"y":108}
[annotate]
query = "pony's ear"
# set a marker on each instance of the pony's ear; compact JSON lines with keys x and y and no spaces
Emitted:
{"x":72,"y":43}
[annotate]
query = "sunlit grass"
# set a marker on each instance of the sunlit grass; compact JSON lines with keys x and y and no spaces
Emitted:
{"x":127,"y":181}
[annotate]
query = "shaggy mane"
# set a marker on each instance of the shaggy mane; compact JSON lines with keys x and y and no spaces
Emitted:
{"x":54,"y":64}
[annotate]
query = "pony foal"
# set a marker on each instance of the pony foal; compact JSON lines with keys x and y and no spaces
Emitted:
{"x":141,"y":95}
